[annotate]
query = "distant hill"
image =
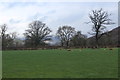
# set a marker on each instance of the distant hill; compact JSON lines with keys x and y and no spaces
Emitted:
{"x":111,"y":39}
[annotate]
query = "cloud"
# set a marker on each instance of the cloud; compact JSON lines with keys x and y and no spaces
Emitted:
{"x":119,"y":13}
{"x":59,"y":1}
{"x":13,"y":21}
{"x":19,"y":14}
{"x":36,"y":16}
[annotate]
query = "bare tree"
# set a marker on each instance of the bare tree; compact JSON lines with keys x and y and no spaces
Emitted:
{"x":65,"y":34}
{"x":3,"y":30}
{"x":16,"y":40}
{"x":14,"y":35}
{"x":36,"y":33}
{"x":3,"y":34}
{"x":79,"y":40}
{"x":100,"y":19}
{"x":7,"y":39}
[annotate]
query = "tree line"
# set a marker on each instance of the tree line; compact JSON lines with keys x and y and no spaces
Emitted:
{"x":37,"y":33}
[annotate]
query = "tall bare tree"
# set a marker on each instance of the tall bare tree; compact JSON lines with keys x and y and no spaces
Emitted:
{"x":100,"y":19}
{"x":65,"y":34}
{"x":36,"y":33}
{"x":3,"y":34}
{"x":7,"y":39}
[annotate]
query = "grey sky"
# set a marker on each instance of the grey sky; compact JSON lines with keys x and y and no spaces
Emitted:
{"x":17,"y":15}
{"x":119,"y":13}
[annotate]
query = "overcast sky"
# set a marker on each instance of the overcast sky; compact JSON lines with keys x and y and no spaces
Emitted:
{"x":17,"y":15}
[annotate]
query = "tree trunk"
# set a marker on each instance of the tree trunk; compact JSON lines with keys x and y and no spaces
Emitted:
{"x":67,"y":43}
{"x":97,"y":42}
{"x":62,"y":44}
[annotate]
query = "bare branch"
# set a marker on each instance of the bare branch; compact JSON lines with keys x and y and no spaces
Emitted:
{"x":36,"y":33}
{"x":99,"y":19}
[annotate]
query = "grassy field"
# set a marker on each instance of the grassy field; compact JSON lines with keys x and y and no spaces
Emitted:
{"x":77,"y":63}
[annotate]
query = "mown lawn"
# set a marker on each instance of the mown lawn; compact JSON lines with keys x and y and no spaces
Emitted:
{"x":77,"y":63}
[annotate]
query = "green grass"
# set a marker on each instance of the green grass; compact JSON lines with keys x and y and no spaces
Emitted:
{"x":85,"y":63}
